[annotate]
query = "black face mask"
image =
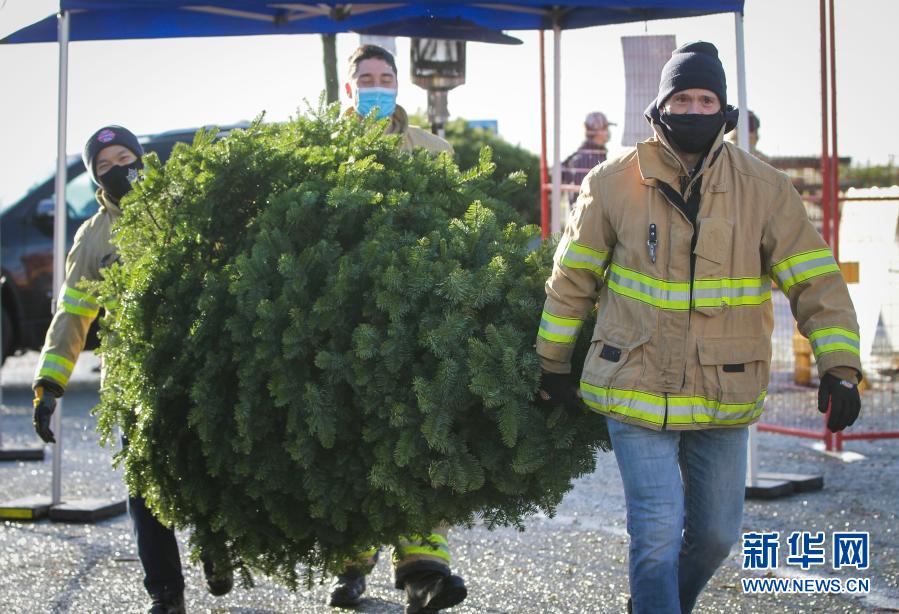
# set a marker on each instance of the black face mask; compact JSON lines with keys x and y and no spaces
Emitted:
{"x":116,"y":182}
{"x":692,"y":132}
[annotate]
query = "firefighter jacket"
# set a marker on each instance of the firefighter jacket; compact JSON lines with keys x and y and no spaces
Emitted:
{"x":412,"y":135}
{"x":684,"y":322}
{"x":76,"y":309}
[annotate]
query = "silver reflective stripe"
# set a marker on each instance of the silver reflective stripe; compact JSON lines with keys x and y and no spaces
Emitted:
{"x":727,"y":292}
{"x":827,"y":340}
{"x":785,"y":277}
{"x":658,"y":294}
{"x":559,"y":329}
{"x":633,"y":403}
{"x":699,"y":410}
{"x":581,"y":257}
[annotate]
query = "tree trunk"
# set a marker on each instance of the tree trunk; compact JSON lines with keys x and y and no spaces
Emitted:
{"x":332,"y":85}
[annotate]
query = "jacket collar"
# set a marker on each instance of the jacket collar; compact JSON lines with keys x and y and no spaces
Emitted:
{"x":658,"y":162}
{"x":107,"y":204}
{"x":399,"y":120}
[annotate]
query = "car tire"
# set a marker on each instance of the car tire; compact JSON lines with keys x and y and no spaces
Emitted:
{"x":6,"y":333}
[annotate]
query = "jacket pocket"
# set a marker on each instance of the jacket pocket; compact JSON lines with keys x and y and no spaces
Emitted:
{"x":735,"y":369}
{"x":714,"y":244}
{"x":615,"y":357}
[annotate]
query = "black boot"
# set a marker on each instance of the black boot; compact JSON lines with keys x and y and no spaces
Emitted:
{"x":218,"y":581}
{"x":347,"y":589}
{"x":167,"y":603}
{"x":433,"y":591}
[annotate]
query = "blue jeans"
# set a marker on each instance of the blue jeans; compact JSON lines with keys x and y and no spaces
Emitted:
{"x":684,"y":493}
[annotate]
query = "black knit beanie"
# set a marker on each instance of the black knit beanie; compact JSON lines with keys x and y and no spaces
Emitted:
{"x":694,"y":65}
{"x":104,"y":137}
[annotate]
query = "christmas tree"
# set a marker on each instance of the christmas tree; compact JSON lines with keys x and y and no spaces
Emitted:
{"x":320,"y":343}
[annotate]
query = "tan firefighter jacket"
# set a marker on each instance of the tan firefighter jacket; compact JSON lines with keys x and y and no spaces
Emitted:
{"x":676,"y":351}
{"x":412,"y":136}
{"x":75,"y":309}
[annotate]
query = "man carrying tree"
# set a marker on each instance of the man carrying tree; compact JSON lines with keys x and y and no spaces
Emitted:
{"x":680,"y":239}
{"x":112,"y":156}
{"x":422,"y":562}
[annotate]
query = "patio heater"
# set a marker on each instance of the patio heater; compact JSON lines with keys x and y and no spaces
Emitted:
{"x":438,"y":65}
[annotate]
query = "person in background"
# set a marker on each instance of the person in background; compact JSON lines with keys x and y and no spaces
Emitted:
{"x":754,"y":125}
{"x":591,"y":152}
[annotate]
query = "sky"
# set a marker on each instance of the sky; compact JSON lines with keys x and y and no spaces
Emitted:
{"x":156,"y":85}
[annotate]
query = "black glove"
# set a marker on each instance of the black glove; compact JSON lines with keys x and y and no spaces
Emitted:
{"x":556,"y":389}
{"x":44,"y":405}
{"x":844,"y":401}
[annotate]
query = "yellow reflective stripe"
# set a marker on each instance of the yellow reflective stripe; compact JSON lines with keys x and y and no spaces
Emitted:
{"x":634,"y":403}
{"x":675,"y":295}
{"x":730,"y":291}
{"x":559,"y":329}
{"x":435,"y":538}
{"x":55,"y":367}
{"x":579,"y":256}
{"x":60,"y":360}
{"x":51,"y":373}
{"x":656,"y":409}
{"x":802,"y":267}
{"x":367,"y":554}
{"x":78,"y":295}
{"x":656,"y":292}
{"x":79,"y":311}
{"x":424,"y":550}
{"x":421,"y":545}
{"x":77,"y":302}
{"x":834,"y":339}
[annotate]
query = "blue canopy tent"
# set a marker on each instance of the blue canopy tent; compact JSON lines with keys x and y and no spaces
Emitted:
{"x":121,"y":19}
{"x":85,"y":20}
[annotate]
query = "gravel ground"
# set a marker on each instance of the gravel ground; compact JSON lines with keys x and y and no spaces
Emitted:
{"x":574,"y":562}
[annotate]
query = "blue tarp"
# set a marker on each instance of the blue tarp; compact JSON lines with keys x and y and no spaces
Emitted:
{"x":119,"y":20}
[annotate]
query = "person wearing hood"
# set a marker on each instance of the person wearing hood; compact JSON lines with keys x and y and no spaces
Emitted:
{"x":680,"y":239}
{"x":421,"y":563}
{"x":112,"y":156}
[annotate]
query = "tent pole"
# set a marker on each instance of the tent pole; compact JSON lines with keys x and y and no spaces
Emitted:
{"x":544,"y":175}
{"x":835,"y":164}
{"x":556,"y":222}
{"x":59,"y":230}
{"x":743,"y":123}
{"x":825,"y":149}
{"x":825,"y":175}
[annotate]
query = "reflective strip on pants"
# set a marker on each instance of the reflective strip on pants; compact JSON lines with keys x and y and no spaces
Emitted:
{"x":434,"y":545}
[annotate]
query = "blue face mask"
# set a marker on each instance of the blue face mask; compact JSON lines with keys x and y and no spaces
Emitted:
{"x":371,"y":97}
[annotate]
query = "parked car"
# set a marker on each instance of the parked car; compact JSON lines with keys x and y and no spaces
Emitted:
{"x":26,"y":246}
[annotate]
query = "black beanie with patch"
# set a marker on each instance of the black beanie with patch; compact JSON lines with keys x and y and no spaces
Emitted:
{"x":694,"y":65}
{"x":104,"y":137}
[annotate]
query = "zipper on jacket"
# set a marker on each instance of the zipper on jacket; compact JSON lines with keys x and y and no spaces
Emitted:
{"x":679,"y":203}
